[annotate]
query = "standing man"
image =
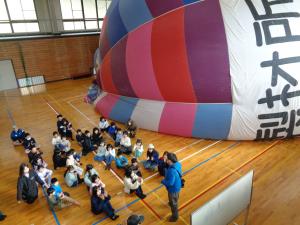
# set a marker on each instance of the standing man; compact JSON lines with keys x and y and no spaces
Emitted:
{"x":173,"y":184}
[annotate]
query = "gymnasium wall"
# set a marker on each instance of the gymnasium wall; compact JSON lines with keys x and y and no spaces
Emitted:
{"x":54,"y":58}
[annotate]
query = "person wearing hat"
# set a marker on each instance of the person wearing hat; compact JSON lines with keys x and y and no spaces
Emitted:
{"x":135,"y":219}
{"x":173,"y":184}
{"x":152,"y":158}
{"x":17,"y":135}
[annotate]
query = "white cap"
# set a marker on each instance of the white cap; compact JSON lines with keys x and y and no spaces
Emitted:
{"x":151,"y":146}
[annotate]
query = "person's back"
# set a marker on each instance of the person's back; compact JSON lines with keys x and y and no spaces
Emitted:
{"x":172,"y":179}
{"x":121,"y":161}
{"x":71,"y":179}
{"x":96,"y":206}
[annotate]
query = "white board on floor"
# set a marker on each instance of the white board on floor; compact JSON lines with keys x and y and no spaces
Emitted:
{"x":223,"y":208}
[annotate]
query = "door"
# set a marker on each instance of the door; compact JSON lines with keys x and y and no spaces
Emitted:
{"x":7,"y":75}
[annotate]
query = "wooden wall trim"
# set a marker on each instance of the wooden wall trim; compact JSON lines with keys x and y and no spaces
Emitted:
{"x":54,"y":58}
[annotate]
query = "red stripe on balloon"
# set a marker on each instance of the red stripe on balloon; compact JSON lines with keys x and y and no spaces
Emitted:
{"x":104,"y":47}
{"x":106,"y":104}
{"x":106,"y":75}
{"x":178,"y":119}
{"x":170,"y":59}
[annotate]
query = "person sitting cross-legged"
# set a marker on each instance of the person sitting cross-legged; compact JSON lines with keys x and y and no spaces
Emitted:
{"x":96,"y":182}
{"x":119,"y":136}
{"x":131,"y":128}
{"x":79,"y":137}
{"x":56,"y":141}
{"x":133,"y":183}
{"x":112,"y":130}
{"x":96,"y":136}
{"x":59,"y":159}
{"x":152,"y":158}
{"x":125,"y":144}
{"x":110,"y":155}
{"x":71,"y":161}
{"x":29,"y":142}
{"x":100,"y":152}
{"x":89,"y":172}
{"x":87,"y":145}
{"x":60,"y":197}
{"x":72,"y":178}
{"x":100,"y":202}
{"x":103,"y":124}
{"x":121,"y":161}
{"x":17,"y":135}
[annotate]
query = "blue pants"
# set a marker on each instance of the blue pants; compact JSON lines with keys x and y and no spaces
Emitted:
{"x":99,"y":158}
{"x":149,"y":165}
{"x":109,"y":159}
{"x":108,"y":209}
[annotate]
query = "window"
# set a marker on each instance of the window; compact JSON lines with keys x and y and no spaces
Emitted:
{"x":18,"y":16}
{"x":83,"y":14}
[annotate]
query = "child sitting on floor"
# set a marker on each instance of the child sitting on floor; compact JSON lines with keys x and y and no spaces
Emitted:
{"x":121,"y":161}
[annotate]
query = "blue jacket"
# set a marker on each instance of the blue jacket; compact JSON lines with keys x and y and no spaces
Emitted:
{"x":19,"y":134}
{"x":57,"y":190}
{"x":121,"y":161}
{"x":112,"y":130}
{"x":172,"y":179}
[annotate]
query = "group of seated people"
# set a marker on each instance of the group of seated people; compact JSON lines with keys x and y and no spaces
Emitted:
{"x":65,"y":156}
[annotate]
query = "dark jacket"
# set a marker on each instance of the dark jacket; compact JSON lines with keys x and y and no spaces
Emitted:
{"x":96,"y":139}
{"x":61,"y":127}
{"x":80,"y":138}
{"x":172,"y":180}
{"x":87,"y":144}
{"x":33,"y":158}
{"x":58,"y":160}
{"x":153,"y":154}
{"x":162,"y":166}
{"x":99,"y":205}
{"x":29,"y":144}
{"x":27,"y":188}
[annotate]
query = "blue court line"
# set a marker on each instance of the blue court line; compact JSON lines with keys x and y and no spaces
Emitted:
{"x":52,"y":211}
{"x":10,"y":116}
{"x":184,"y":173}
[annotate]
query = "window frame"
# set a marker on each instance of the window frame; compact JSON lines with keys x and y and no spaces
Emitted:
{"x":84,"y":19}
{"x":11,"y":22}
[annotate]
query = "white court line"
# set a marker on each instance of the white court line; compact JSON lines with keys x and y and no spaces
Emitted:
{"x":51,"y":106}
{"x":82,"y":114}
{"x":113,"y":172}
{"x":179,"y":150}
{"x":73,"y":97}
{"x":69,"y":102}
{"x":201,"y":150}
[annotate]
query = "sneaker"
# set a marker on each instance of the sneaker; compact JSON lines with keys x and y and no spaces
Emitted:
{"x":114,"y":217}
{"x":172,"y":219}
{"x":143,"y":196}
{"x":2,"y":217}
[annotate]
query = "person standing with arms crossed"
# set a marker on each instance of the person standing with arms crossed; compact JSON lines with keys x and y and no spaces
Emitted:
{"x":173,"y":184}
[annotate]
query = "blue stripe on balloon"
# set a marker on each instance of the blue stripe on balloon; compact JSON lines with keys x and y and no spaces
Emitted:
{"x":190,"y":1}
{"x":112,"y":5}
{"x":213,"y":121}
{"x":134,"y":13}
{"x":123,"y":109}
{"x":115,"y":27}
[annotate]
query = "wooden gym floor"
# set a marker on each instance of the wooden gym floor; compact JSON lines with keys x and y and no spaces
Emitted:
{"x":209,"y":166}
